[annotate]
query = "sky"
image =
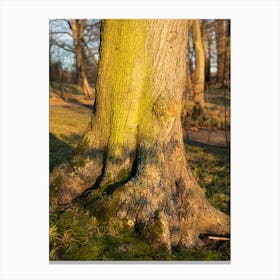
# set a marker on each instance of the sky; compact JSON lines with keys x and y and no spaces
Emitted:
{"x":60,"y":31}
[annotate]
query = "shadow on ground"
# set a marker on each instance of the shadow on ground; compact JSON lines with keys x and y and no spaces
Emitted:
{"x":60,"y":151}
{"x":77,"y":102}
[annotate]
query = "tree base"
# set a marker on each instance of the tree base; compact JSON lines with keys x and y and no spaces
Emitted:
{"x":145,"y":206}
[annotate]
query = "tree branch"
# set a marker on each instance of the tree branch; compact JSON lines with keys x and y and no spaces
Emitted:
{"x":61,"y":32}
{"x":65,"y":47}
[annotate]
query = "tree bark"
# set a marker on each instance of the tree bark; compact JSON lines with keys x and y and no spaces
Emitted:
{"x":206,"y":48}
{"x":133,"y":152}
{"x":189,"y":65}
{"x":77,"y":27}
{"x":220,"y":41}
{"x":199,"y":64}
{"x":227,"y":55}
{"x":189,"y":86}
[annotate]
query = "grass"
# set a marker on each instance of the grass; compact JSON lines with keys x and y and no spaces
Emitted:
{"x":77,"y":235}
{"x":211,"y":167}
{"x":67,"y":125}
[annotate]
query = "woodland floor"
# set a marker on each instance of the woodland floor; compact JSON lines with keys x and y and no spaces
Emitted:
{"x":77,"y":235}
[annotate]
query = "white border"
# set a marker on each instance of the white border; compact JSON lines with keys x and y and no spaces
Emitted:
{"x":24,"y":138}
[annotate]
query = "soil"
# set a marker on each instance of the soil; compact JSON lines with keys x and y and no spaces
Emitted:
{"x":204,"y":136}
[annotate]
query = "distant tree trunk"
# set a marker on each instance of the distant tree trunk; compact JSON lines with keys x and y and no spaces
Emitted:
{"x":209,"y":40}
{"x":227,"y":55}
{"x":220,"y":37}
{"x":199,"y":64}
{"x":206,"y":49}
{"x":77,"y":27}
{"x":133,"y":151}
{"x":50,"y":59}
{"x":189,"y":68}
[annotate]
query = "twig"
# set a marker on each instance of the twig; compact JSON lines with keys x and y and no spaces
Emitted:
{"x":218,"y":238}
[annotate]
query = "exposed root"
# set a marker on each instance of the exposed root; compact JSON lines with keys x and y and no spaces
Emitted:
{"x":155,"y":213}
{"x":70,"y":182}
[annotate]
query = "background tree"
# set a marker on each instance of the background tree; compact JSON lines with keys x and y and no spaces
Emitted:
{"x":132,"y":153}
{"x":220,"y":45}
{"x":227,"y":55}
{"x":189,"y":71}
{"x":78,"y":27}
{"x":199,"y":64}
{"x":207,"y":50}
{"x":76,"y":42}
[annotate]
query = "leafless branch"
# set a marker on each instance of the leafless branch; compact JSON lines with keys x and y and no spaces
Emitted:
{"x":65,"y":47}
{"x":91,"y":55}
{"x":61,"y":32}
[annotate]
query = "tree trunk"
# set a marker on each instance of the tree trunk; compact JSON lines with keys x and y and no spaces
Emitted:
{"x":133,"y":153}
{"x":82,"y":81}
{"x":227,"y":55}
{"x":209,"y":40}
{"x":199,"y":64}
{"x":206,"y":49}
{"x":189,"y":67}
{"x":50,"y":59}
{"x":220,"y":35}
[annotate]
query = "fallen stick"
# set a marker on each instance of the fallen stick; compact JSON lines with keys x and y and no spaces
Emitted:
{"x":218,"y":238}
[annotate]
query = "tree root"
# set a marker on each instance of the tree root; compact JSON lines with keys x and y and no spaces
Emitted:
{"x":146,"y":206}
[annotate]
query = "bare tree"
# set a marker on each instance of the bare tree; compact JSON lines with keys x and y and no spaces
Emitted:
{"x":227,"y":55}
{"x":80,"y":39}
{"x":220,"y":44}
{"x":207,"y":49}
{"x":78,"y":27}
{"x":199,"y":64}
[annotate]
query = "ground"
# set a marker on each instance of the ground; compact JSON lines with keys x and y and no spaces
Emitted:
{"x":76,"y":234}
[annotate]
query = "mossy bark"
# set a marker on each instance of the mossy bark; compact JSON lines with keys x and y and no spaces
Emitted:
{"x":133,"y":150}
{"x":78,"y":27}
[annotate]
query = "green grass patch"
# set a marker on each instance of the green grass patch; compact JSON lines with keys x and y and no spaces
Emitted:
{"x":211,"y":167}
{"x":76,"y":235}
{"x":67,"y":125}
